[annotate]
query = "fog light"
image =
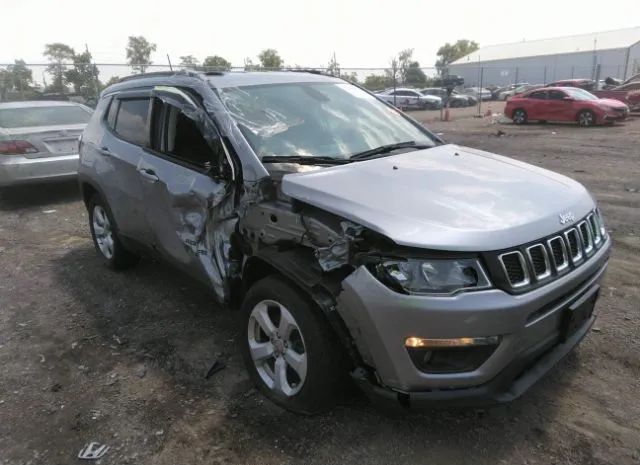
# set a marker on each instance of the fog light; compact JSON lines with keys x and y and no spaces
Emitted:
{"x":455,"y":355}
{"x":455,"y":342}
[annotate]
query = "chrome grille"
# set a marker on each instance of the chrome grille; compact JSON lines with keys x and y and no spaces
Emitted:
{"x":574,"y":245}
{"x":515,"y":267}
{"x":595,"y":229}
{"x":585,"y":236}
{"x":558,"y":253}
{"x":540,"y":261}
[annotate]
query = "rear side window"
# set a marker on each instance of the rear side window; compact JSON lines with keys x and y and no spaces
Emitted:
{"x":131,"y":121}
{"x":43,"y":116}
{"x":540,"y":95}
{"x":556,"y":95}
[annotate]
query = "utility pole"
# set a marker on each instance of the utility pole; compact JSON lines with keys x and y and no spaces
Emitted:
{"x":169,"y":60}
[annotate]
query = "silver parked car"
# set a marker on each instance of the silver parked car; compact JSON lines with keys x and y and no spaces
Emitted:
{"x":39,"y":140}
{"x":410,"y":99}
{"x":352,"y":239}
{"x":480,"y":93}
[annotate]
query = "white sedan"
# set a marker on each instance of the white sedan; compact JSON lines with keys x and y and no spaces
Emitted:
{"x":39,"y":140}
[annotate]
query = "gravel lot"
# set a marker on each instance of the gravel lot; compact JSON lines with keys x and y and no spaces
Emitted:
{"x":92,"y":355}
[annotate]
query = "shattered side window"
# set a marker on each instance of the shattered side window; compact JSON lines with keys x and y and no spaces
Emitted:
{"x":315,"y":119}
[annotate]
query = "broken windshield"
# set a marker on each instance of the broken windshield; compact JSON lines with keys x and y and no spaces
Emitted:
{"x":324,"y":119}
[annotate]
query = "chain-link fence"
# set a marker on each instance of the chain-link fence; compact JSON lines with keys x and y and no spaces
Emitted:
{"x":84,"y":81}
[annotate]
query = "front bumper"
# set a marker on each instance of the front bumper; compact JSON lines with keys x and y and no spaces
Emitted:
{"x":17,"y":169}
{"x":616,"y":116}
{"x":380,"y":320}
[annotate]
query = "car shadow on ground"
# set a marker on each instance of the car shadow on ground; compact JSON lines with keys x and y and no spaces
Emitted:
{"x":38,"y":195}
{"x":162,"y":319}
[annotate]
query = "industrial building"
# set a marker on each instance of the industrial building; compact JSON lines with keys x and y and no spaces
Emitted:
{"x":595,"y":55}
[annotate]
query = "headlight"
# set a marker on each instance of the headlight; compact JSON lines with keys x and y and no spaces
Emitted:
{"x":435,"y":276}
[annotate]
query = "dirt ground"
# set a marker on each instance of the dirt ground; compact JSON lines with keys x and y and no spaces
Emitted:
{"x":87,"y":354}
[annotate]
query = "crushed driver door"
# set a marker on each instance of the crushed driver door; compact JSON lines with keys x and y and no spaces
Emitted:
{"x":189,"y":202}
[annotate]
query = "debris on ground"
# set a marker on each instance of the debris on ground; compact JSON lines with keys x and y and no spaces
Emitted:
{"x":93,"y":451}
{"x":216,"y":367}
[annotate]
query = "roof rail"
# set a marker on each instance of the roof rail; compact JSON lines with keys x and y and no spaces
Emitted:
{"x":159,"y":74}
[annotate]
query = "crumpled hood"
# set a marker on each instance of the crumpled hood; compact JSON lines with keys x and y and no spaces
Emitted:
{"x":445,"y":198}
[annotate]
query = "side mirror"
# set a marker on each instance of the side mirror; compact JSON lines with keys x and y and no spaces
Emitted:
{"x":568,"y":99}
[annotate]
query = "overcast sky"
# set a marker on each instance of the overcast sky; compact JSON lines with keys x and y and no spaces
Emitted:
{"x":362,"y":33}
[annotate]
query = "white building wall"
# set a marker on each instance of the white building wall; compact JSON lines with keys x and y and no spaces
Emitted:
{"x":545,"y":69}
{"x":634,"y":61}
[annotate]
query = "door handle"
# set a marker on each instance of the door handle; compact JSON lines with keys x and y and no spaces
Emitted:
{"x":148,"y":174}
{"x":104,"y":151}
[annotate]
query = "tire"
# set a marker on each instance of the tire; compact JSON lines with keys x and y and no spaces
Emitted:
{"x":309,"y":343}
{"x":586,"y":118}
{"x":519,"y":116}
{"x":105,"y":236}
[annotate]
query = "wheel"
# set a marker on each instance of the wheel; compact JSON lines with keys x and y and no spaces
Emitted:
{"x":586,"y":118}
{"x":105,"y":236}
{"x":519,"y":116}
{"x":289,"y":348}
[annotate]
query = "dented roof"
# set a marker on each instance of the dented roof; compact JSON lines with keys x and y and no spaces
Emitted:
{"x":606,"y":40}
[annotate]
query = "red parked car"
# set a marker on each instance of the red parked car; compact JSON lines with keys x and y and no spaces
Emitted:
{"x":564,"y":104}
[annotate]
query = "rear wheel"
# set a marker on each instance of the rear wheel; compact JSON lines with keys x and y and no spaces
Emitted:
{"x":519,"y":116}
{"x":105,"y":236}
{"x":586,"y":118}
{"x":289,"y":348}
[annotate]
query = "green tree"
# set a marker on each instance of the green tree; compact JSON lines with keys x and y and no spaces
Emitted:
{"x":449,"y":53}
{"x":21,"y":77}
{"x":404,"y":61}
{"x":112,"y":80}
{"x":216,"y":63}
{"x":270,"y":59}
{"x":58,"y":54}
{"x":249,"y":65}
{"x":6,"y":83}
{"x":377,"y":81}
{"x":350,"y":76}
{"x":414,"y":76}
{"x":83,"y":76}
{"x":139,"y":52}
{"x":333,"y":67}
{"x":189,"y":62}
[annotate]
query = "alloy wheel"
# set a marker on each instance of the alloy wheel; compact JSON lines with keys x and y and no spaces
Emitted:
{"x":103,"y":231}
{"x":277,"y":348}
{"x":519,"y":117}
{"x":586,"y":118}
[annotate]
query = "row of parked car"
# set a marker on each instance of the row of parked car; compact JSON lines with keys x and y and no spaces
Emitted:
{"x":430,"y":98}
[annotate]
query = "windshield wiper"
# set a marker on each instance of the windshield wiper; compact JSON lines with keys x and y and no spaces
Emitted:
{"x":388,"y":148}
{"x":301,"y":160}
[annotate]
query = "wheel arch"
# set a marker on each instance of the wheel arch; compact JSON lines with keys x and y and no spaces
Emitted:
{"x":300,"y":268}
{"x":590,"y":110}
{"x":88,"y":189}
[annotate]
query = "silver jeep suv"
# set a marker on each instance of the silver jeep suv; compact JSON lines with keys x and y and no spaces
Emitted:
{"x":353,"y":240}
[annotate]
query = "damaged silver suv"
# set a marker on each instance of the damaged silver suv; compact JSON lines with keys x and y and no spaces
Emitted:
{"x":352,"y":239}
